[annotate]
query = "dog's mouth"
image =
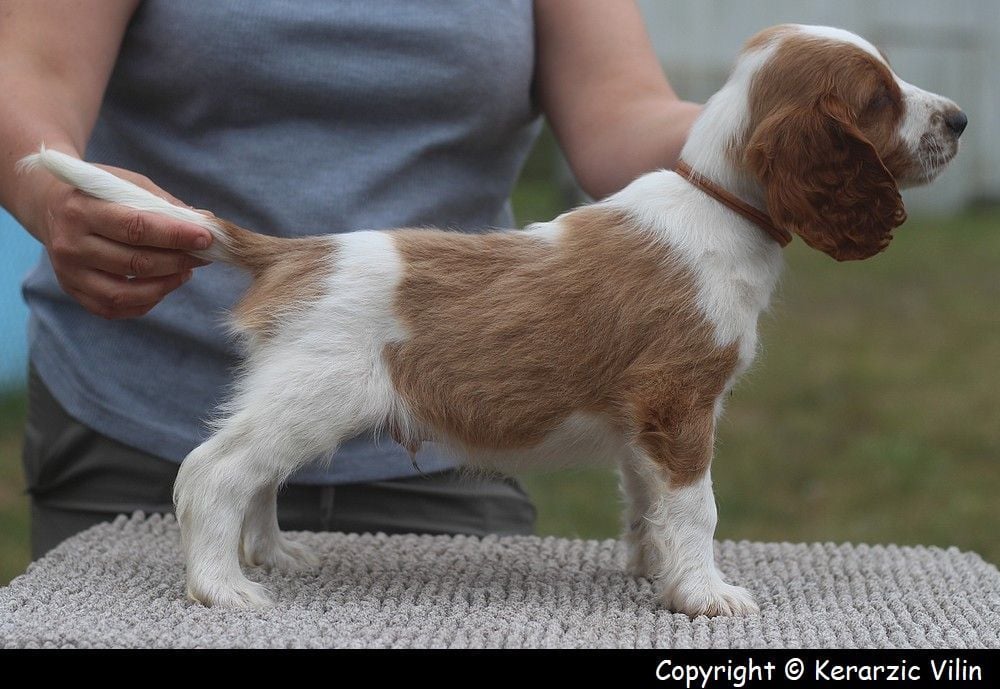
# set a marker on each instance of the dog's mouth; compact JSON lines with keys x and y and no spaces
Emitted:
{"x":932,"y":156}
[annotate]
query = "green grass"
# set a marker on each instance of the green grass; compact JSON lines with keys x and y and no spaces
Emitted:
{"x":13,"y":502}
{"x":871,"y":415}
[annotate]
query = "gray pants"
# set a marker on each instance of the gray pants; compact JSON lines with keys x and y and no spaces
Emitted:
{"x":77,"y":477}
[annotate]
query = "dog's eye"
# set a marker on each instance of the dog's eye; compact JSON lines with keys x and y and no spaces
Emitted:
{"x":880,"y":100}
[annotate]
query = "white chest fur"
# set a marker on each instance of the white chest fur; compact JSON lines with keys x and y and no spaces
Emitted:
{"x":735,"y":264}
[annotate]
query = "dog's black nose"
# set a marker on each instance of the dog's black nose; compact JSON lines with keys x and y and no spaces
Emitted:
{"x":956,"y":121}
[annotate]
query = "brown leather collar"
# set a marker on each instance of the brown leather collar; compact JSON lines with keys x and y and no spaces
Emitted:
{"x":754,"y":215}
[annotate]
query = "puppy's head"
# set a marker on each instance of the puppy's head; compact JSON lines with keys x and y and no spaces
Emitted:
{"x":832,"y":134}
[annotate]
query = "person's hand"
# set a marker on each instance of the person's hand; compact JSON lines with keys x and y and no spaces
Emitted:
{"x":115,"y":261}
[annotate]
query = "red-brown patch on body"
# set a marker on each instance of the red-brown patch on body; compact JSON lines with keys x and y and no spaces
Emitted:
{"x":510,"y":334}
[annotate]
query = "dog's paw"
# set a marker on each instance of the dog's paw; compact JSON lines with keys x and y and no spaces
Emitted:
{"x":712,"y":599}
{"x":278,"y":553}
{"x":237,"y":595}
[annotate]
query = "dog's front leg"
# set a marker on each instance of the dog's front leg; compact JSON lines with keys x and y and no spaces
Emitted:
{"x":638,"y":474}
{"x":674,"y":459}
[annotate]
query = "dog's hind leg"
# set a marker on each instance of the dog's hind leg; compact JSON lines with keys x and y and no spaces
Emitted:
{"x":288,"y":410}
{"x":212,"y":492}
{"x":263,"y":544}
{"x":218,"y":483}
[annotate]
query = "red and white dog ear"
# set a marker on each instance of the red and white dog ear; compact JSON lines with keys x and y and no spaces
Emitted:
{"x":824,"y":181}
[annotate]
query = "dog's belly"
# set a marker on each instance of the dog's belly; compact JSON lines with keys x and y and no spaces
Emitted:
{"x":581,"y":439}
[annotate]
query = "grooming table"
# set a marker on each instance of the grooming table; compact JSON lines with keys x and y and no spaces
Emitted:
{"x":121,"y":584}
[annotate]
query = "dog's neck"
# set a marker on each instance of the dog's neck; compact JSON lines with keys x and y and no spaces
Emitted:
{"x":710,"y":150}
{"x":711,"y":146}
{"x":748,"y":212}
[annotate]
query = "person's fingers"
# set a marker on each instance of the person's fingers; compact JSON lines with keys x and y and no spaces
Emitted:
{"x":112,"y":257}
{"x":112,"y":296}
{"x":129,"y":226}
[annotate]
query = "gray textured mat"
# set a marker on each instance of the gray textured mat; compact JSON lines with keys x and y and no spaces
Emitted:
{"x":121,"y":584}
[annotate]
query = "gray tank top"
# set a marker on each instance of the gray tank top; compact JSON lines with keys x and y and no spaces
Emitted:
{"x":291,"y":118}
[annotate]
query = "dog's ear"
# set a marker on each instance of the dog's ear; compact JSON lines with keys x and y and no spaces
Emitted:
{"x":824,"y":181}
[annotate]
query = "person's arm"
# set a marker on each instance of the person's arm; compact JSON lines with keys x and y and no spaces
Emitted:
{"x":604,"y":93}
{"x":56,"y":58}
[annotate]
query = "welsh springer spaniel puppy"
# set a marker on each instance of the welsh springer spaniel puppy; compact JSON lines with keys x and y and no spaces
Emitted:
{"x":611,"y":333}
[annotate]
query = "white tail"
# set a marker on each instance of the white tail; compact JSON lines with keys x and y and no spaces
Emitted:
{"x":100,"y":184}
